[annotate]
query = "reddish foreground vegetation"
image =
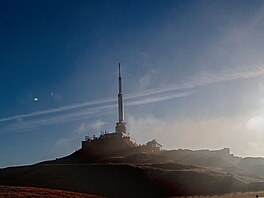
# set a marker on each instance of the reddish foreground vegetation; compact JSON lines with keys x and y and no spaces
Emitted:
{"x":21,"y":192}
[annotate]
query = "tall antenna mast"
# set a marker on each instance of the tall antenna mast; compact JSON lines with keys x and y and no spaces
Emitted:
{"x":120,"y":98}
{"x":121,"y":125}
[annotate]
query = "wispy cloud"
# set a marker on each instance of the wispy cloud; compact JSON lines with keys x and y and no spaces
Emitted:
{"x":77,"y":114}
{"x":243,"y":135}
{"x":71,"y":141}
{"x":97,"y":107}
{"x":59,"y":109}
{"x":98,"y":124}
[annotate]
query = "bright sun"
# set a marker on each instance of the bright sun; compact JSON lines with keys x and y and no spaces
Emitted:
{"x":256,"y":123}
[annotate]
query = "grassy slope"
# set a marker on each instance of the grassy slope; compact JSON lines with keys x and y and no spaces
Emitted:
{"x":122,"y":180}
{"x":23,"y":192}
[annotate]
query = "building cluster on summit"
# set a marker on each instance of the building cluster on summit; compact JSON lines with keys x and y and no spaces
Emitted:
{"x":120,"y":139}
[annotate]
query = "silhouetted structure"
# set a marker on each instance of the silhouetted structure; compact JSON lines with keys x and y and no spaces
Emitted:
{"x":121,"y":125}
{"x":117,"y":140}
{"x":154,"y":146}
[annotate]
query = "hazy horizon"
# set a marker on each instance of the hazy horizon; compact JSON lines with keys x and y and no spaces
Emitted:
{"x":193,"y":74}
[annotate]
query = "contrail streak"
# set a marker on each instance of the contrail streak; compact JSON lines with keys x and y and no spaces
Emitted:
{"x":84,"y":113}
{"x":97,"y":106}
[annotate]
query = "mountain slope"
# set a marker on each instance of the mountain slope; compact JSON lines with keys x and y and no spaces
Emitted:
{"x":134,"y":172}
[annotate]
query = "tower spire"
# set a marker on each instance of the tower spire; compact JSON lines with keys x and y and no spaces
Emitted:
{"x":119,"y":79}
{"x":121,"y":125}
{"x":119,"y":70}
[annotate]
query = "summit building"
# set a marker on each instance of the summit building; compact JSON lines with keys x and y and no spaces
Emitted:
{"x":119,"y":140}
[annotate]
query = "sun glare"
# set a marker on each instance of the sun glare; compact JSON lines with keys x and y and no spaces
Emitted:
{"x":256,"y":123}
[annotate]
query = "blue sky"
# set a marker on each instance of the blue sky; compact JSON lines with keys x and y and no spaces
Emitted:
{"x":193,"y":74}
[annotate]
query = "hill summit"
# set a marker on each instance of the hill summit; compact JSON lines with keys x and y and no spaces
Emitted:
{"x":114,"y":165}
